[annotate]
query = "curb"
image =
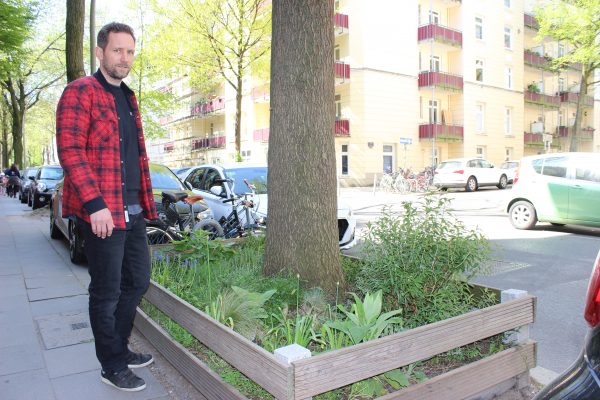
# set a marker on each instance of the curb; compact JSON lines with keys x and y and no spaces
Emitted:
{"x":542,"y":376}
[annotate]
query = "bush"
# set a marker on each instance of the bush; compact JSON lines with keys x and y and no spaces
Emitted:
{"x":421,"y":260}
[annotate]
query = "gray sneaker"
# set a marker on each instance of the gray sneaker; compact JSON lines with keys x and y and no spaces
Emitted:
{"x":123,"y":380}
{"x":139,"y":360}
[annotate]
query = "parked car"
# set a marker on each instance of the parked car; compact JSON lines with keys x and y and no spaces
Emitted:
{"x":163,"y":180}
{"x":470,"y":173}
{"x":181,"y":172}
{"x":560,"y":188}
{"x":581,"y":380}
{"x":201,"y":178}
{"x":43,"y":184}
{"x":510,"y":169}
{"x":26,"y":183}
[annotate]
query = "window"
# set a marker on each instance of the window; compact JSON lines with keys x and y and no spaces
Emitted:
{"x":479,"y":70}
{"x":508,"y":155}
{"x":246,"y":155}
{"x":507,"y":121}
{"x":388,"y":158}
{"x":336,"y":52}
{"x":421,"y":107}
{"x":507,"y":37}
{"x":212,"y":129}
{"x":434,"y":17}
{"x":561,"y":84}
{"x":480,"y":151}
{"x":434,"y":63}
{"x":338,"y":106}
{"x":209,"y":180}
{"x":344,"y":159}
{"x":478,"y":28}
{"x":561,"y":50}
{"x":433,"y":111}
{"x":195,"y":178}
{"x":508,"y":77}
{"x":507,"y":3}
{"x":555,"y":166}
{"x":561,"y":118}
{"x":479,"y":118}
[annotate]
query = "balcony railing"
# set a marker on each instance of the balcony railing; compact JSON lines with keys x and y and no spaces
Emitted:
{"x":342,"y":127}
{"x":261,"y":94}
{"x":440,"y":34}
{"x":535,"y":60}
{"x":261,"y":135}
{"x":200,"y":109}
{"x":342,"y":71}
{"x":443,"y":132}
{"x":441,"y":80}
{"x":565,"y":131}
{"x":542,"y":99}
{"x":570,"y":97}
{"x":168,"y":147}
{"x":213,"y":142}
{"x":531,"y":22}
{"x":340,"y":22}
{"x":533,"y":139}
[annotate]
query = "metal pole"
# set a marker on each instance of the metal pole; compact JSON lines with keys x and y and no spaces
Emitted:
{"x":432,"y":42}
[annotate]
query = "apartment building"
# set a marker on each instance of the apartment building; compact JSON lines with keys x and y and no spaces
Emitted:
{"x":417,"y":82}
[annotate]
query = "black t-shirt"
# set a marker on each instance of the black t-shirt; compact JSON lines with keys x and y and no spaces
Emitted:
{"x":130,"y":154}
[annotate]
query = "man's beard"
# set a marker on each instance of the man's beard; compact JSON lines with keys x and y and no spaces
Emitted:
{"x":114,"y":72}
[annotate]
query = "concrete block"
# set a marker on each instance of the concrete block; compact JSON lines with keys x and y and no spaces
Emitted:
{"x":291,"y":353}
{"x":519,"y":335}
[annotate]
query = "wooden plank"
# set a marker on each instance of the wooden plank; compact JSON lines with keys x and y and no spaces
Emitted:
{"x":338,"y":368}
{"x":472,"y":378}
{"x":250,"y":359}
{"x":208,"y":383}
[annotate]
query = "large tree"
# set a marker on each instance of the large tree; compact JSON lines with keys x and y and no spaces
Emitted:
{"x":74,"y":25}
{"x":575,"y":22}
{"x":302,"y":235}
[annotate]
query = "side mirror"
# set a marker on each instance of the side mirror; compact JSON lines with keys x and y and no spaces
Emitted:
{"x":217,"y":191}
{"x":188,"y":185}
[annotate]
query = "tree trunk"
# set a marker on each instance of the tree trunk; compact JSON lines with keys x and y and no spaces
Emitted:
{"x":238,"y":117}
{"x":5,"y":162}
{"x":74,"y":39}
{"x":575,"y":132}
{"x":302,"y":235}
{"x":92,"y":36}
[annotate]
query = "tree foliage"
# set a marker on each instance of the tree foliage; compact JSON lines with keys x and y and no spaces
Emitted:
{"x":16,"y":17}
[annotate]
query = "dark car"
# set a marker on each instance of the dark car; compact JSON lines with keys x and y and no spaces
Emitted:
{"x":43,"y":184}
{"x":163,"y":180}
{"x":26,"y":183}
{"x":581,"y":380}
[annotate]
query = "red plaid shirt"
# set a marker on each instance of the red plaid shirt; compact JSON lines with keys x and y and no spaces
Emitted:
{"x":88,"y":141}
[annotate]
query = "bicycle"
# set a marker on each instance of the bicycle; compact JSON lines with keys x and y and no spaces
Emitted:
{"x":232,"y":225}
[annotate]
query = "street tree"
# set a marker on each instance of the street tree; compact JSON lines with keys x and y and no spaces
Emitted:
{"x":302,"y":236}
{"x":575,"y":22}
{"x":16,"y":17}
{"x":75,"y":22}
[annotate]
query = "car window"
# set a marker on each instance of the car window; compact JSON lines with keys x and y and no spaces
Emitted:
{"x":163,"y":178}
{"x":32,"y":172}
{"x":485,"y":164}
{"x":555,"y":166}
{"x":209,"y":180}
{"x":51,"y":173}
{"x":449,"y":165}
{"x":587,"y":170}
{"x":473,"y":164}
{"x":537,"y":165}
{"x":195,"y":178}
{"x":256,"y":176}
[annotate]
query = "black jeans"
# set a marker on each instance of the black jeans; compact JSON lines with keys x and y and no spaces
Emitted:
{"x":119,"y":268}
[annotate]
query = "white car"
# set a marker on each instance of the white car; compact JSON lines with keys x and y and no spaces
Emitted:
{"x":510,"y":169}
{"x":468,"y":173}
{"x":202,"y":177}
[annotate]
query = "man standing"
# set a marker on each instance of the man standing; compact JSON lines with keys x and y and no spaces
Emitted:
{"x":107,"y":189}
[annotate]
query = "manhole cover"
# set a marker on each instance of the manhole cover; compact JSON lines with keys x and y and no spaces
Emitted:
{"x":494,"y":267}
{"x":66,"y":329}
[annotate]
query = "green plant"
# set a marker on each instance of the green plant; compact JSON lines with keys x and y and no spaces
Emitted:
{"x":287,"y":330}
{"x":197,"y":245}
{"x":421,"y":260}
{"x":240,"y":309}
{"x":532,"y":87}
{"x":365,"y":321}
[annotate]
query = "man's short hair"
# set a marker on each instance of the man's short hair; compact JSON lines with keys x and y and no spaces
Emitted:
{"x":116,"y":27}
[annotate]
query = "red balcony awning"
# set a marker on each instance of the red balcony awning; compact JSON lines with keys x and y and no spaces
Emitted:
{"x":342,"y":127}
{"x":208,"y":107}
{"x":340,"y":21}
{"x":440,"y":34}
{"x":441,"y":79}
{"x":342,"y":70}
{"x":530,"y":21}
{"x":168,"y":147}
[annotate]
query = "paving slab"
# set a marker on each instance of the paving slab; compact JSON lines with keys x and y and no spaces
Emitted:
{"x":15,"y":334}
{"x":30,"y":385}
{"x":65,"y":329}
{"x":88,"y":386}
{"x":70,"y":360}
{"x":14,"y":309}
{"x":59,"y":305}
{"x":11,"y":285}
{"x":20,"y":358}
{"x":53,"y":292}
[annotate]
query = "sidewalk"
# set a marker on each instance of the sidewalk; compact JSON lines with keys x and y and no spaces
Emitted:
{"x":46,"y":344}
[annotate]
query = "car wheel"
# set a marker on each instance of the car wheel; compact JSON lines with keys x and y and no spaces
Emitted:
{"x":35,"y":204}
{"x":23,"y":198}
{"x":503,"y":182}
{"x":522,"y":215}
{"x":210,"y":226}
{"x":54,"y":231}
{"x":471,"y":184}
{"x":29,"y":203}
{"x":75,"y":245}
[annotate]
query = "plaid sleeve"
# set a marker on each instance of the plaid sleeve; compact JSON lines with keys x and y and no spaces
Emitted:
{"x":72,"y":128}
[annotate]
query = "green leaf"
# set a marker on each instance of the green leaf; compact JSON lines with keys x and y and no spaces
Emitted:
{"x":397,"y":379}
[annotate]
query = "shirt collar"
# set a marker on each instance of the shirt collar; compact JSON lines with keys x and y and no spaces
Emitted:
{"x":107,"y":86}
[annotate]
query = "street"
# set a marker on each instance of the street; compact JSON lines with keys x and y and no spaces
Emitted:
{"x":552,"y":263}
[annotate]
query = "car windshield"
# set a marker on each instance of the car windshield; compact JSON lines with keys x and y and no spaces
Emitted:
{"x":256,"y":176}
{"x":163,"y":178}
{"x":32,"y":172}
{"x":449,"y":164}
{"x":53,"y":174}
{"x":508,"y":165}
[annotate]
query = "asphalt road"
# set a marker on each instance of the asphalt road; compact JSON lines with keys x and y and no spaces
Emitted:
{"x":552,"y":263}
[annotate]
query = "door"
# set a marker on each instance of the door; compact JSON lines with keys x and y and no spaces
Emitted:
{"x":553,"y":188}
{"x":584,"y":191}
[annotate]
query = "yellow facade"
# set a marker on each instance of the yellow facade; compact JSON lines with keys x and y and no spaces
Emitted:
{"x":418,"y":82}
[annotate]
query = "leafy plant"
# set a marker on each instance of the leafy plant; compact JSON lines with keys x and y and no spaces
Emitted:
{"x":240,"y":309}
{"x":365,"y":321}
{"x":197,"y":245}
{"x":291,"y":330}
{"x":421,"y":260}
{"x":533,"y":88}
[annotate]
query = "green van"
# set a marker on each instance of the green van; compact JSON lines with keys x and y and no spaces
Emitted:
{"x":560,"y":188}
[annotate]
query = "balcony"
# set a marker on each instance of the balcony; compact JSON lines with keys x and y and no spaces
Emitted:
{"x":342,"y":127}
{"x":530,"y":22}
{"x":533,"y":139}
{"x":440,"y":34}
{"x":340,"y":23}
{"x":214,"y":142}
{"x":452,"y":3}
{"x":169,"y":147}
{"x":441,"y":80}
{"x":565,"y":131}
{"x":261,"y":94}
{"x":570,"y":97}
{"x":261,"y":135}
{"x":542,"y":99}
{"x":209,"y":107}
{"x":441,"y":132}
{"x":342,"y":72}
{"x":535,"y":60}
